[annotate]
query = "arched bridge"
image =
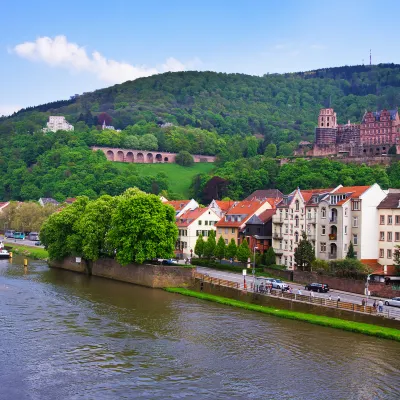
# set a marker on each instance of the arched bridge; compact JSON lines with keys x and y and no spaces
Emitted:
{"x":143,"y":156}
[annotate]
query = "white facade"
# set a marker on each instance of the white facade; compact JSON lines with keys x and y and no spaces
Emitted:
{"x":58,"y":123}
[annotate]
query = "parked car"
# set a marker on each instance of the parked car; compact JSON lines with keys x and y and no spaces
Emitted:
{"x":317,"y":287}
{"x":278,"y":284}
{"x":170,"y":261}
{"x":19,"y":235}
{"x":38,"y":243}
{"x":33,"y":236}
{"x":393,"y":302}
{"x":9,"y":233}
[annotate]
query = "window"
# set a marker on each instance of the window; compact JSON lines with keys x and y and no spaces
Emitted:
{"x":397,"y":236}
{"x":219,"y":231}
{"x":205,"y":222}
{"x":345,"y":212}
{"x":285,"y":260}
{"x":355,"y":205}
{"x":286,"y":245}
{"x":389,"y":236}
{"x":382,"y":220}
{"x":296,"y":237}
{"x":381,"y":253}
{"x":233,"y":230}
{"x":345,"y":247}
{"x":198,"y":233}
{"x":199,"y":222}
{"x":345,"y":229}
{"x":323,"y":212}
{"x":323,"y":247}
{"x":397,"y":219}
{"x":355,"y":240}
{"x":226,"y":241}
{"x":390,"y":220}
{"x":355,"y":222}
{"x":286,"y":228}
{"x":226,"y":231}
{"x":296,"y":222}
{"x":389,"y":253}
{"x":382,"y":235}
{"x":323,"y":230}
{"x":297,"y":205}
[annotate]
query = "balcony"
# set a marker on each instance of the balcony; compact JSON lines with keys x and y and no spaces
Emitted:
{"x":311,"y":219}
{"x":332,"y":256}
{"x":332,"y":236}
{"x":277,"y":219}
{"x":278,"y":252}
{"x":311,"y":238}
{"x":277,"y":235}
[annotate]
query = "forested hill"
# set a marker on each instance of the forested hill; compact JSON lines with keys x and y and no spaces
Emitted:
{"x":282,"y":108}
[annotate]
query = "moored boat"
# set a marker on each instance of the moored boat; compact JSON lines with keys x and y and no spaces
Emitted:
{"x":4,"y":253}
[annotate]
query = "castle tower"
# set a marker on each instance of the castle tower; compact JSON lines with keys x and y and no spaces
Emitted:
{"x":327,"y":118}
{"x":326,"y":132}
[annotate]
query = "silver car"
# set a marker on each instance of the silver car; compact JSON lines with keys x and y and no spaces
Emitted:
{"x":393,"y":302}
{"x":278,"y":284}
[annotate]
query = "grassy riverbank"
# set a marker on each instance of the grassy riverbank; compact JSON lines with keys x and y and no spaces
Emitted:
{"x":358,"y":327}
{"x":32,"y":252}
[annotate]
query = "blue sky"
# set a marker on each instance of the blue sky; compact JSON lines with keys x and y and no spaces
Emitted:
{"x":50,"y":50}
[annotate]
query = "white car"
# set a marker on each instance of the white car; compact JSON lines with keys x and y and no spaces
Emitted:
{"x":278,"y":284}
{"x":393,"y":302}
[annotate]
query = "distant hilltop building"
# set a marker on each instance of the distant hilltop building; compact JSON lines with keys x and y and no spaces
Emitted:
{"x":104,"y":126}
{"x":374,"y":136}
{"x":58,"y":123}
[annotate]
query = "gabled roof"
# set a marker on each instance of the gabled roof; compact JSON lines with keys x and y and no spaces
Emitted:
{"x":354,"y":192}
{"x":225,"y":205}
{"x":188,"y":217}
{"x":49,"y":200}
{"x":4,"y":204}
{"x":391,"y":201}
{"x":377,"y":115}
{"x":245,"y":209}
{"x":261,"y":219}
{"x":264,"y":194}
{"x":178,"y":204}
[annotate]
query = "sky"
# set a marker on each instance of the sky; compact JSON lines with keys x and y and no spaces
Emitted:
{"x":51,"y":50}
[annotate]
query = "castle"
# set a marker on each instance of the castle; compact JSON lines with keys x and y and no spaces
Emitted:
{"x":374,"y":136}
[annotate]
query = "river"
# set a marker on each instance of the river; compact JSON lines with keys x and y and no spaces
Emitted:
{"x":67,"y":336}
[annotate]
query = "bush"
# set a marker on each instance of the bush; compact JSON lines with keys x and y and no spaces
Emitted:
{"x":201,"y":262}
{"x":349,"y":268}
{"x":320,"y":266}
{"x":184,"y":158}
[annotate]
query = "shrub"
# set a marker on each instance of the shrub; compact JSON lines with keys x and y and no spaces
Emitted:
{"x":184,"y":158}
{"x":349,"y":268}
{"x":320,"y":266}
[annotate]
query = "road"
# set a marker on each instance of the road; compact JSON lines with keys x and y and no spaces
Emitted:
{"x":344,"y":296}
{"x":24,"y":242}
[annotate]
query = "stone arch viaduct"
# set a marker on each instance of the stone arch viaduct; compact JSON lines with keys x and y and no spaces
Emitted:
{"x":145,"y":156}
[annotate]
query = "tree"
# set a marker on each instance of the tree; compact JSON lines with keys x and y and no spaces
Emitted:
{"x":270,"y":150}
{"x":243,"y":252}
{"x":142,"y":228}
{"x":148,"y":142}
{"x":220,"y":249}
{"x":269,"y":257}
{"x":304,"y":253}
{"x":231,"y":250}
{"x":184,"y":158}
{"x":199,"y":246}
{"x":396,"y":259}
{"x":350,"y":251}
{"x":210,"y":245}
{"x":104,"y":118}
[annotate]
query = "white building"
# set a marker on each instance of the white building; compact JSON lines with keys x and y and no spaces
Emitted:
{"x":191,"y":225}
{"x":182,"y":206}
{"x":58,"y":123}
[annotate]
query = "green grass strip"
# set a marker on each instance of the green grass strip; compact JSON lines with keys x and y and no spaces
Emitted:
{"x":358,"y":327}
{"x":28,"y":251}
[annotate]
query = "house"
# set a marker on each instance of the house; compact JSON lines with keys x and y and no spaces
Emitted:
{"x":258,"y":230}
{"x":221,"y":207}
{"x":163,"y":199}
{"x":48,"y":200}
{"x":389,"y":231}
{"x":191,"y":224}
{"x":235,"y":219}
{"x":3,"y":205}
{"x":182,"y":206}
{"x":265,"y":194}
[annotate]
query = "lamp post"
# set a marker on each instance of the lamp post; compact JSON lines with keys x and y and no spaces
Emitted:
{"x":254,"y":267}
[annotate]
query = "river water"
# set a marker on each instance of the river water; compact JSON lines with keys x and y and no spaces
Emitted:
{"x":67,"y":336}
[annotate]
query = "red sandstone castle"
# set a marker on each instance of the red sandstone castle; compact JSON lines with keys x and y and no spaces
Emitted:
{"x":377,"y":132}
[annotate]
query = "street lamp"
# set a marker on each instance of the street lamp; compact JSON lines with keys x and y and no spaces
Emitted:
{"x":254,"y":268}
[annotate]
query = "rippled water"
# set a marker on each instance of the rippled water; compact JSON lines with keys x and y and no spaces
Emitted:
{"x":66,"y":336}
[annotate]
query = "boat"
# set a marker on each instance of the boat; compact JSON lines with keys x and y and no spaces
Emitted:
{"x":4,"y":254}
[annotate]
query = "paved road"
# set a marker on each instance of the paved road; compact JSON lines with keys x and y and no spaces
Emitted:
{"x":232,"y":276}
{"x":24,"y":242}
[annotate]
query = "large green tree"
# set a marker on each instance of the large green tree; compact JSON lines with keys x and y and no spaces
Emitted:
{"x":269,"y":257}
{"x":199,"y":246}
{"x":220,"y":250}
{"x":243,"y":252}
{"x":210,"y":245}
{"x":304,"y":253}
{"x":231,"y":250}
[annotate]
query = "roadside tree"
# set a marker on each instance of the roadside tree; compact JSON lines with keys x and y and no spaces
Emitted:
{"x":243,"y":252}
{"x":231,"y":250}
{"x":199,"y":246}
{"x":210,"y":245}
{"x":269,"y":257}
{"x":304,"y":253}
{"x":220,"y":249}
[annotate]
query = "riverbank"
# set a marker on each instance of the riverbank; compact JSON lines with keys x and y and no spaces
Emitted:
{"x":357,"y":327}
{"x":28,"y":251}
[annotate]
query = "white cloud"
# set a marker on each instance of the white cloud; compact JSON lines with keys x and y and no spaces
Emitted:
{"x":8,"y":109}
{"x":58,"y":52}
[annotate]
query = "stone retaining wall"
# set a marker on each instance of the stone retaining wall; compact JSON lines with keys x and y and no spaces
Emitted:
{"x":154,"y":276}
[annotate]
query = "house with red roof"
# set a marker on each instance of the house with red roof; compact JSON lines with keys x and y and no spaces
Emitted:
{"x":182,"y":206}
{"x":221,"y":207}
{"x":234,"y":221}
{"x":191,"y":224}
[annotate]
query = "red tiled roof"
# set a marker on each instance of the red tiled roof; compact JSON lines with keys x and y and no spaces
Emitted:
{"x":391,"y":201}
{"x":245,"y":208}
{"x":355,"y":192}
{"x":225,"y":205}
{"x":3,"y":203}
{"x":266,"y":215}
{"x":307,"y":194}
{"x":178,"y":204}
{"x":189,"y":216}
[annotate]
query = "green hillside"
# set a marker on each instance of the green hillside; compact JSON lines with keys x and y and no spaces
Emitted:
{"x":179,"y":178}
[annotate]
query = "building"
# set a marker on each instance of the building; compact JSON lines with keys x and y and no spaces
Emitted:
{"x":48,"y":200}
{"x":3,"y":205}
{"x":234,"y":221}
{"x":191,"y":224}
{"x":389,"y":230}
{"x":374,"y":136}
{"x":258,"y":230}
{"x":221,"y":207}
{"x":182,"y":206}
{"x":58,"y":123}
{"x":265,"y":194}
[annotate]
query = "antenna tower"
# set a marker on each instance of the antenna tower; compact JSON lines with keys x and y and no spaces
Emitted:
{"x":370,"y":57}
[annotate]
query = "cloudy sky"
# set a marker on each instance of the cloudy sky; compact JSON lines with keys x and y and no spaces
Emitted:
{"x":50,"y":50}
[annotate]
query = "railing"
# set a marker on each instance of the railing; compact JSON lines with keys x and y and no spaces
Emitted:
{"x":332,"y":236}
{"x":311,"y":237}
{"x":311,"y":219}
{"x":333,"y":220}
{"x":277,"y":235}
{"x":278,"y":251}
{"x":277,"y":219}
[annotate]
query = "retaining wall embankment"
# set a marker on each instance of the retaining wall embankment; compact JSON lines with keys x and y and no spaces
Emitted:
{"x":282,"y":303}
{"x":154,"y":276}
